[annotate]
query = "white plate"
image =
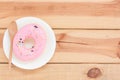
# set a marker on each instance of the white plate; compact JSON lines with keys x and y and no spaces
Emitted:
{"x":47,"y":53}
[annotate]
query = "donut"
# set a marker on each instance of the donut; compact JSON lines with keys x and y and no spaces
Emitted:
{"x":35,"y":32}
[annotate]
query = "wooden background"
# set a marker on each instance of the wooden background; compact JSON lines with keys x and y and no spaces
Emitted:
{"x":88,"y":38}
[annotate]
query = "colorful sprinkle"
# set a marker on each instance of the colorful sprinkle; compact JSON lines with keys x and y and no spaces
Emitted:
{"x":20,"y":38}
{"x":35,"y":26}
{"x":31,"y":50}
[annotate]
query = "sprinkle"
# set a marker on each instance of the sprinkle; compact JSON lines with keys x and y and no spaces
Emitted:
{"x":31,"y":50}
{"x":20,"y":38}
{"x":35,"y":26}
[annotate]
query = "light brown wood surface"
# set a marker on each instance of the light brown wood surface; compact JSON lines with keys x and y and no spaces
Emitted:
{"x":87,"y":33}
{"x":61,"y":72}
{"x":58,"y":1}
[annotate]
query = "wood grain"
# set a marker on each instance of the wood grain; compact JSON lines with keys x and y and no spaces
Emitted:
{"x":65,"y":15}
{"x":87,"y":33}
{"x":58,"y":1}
{"x":76,"y":46}
{"x":82,"y":15}
{"x":61,"y":71}
{"x":71,"y":22}
{"x":60,"y":8}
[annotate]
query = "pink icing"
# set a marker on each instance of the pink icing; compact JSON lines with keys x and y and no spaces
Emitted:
{"x":29,"y":31}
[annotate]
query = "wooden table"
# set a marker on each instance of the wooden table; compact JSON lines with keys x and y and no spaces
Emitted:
{"x":87,"y":32}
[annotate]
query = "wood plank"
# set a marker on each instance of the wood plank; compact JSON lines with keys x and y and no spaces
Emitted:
{"x":83,"y":46}
{"x":83,"y":15}
{"x":70,"y":22}
{"x":64,"y":15}
{"x":57,"y":1}
{"x":61,"y":71}
{"x":60,"y":8}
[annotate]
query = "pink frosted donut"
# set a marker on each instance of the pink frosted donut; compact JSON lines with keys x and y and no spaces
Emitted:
{"x":35,"y":32}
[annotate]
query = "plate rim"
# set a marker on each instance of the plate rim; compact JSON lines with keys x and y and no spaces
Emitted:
{"x":53,"y":51}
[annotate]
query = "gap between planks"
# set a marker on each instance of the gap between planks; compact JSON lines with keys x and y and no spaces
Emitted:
{"x":77,"y":29}
{"x":70,"y":63}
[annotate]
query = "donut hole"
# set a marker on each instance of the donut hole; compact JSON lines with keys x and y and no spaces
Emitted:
{"x":29,"y":43}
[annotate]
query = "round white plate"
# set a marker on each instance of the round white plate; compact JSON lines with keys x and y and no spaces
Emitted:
{"x":47,"y":53}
